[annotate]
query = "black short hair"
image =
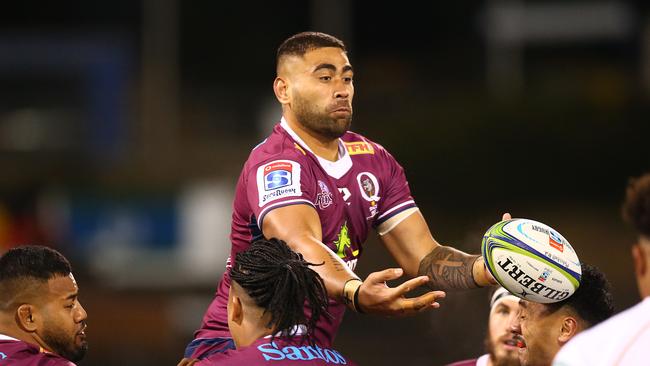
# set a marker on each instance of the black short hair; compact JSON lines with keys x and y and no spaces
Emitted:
{"x":592,"y":301}
{"x":280,"y":281}
{"x":35,"y":261}
{"x":636,"y":207}
{"x":301,"y":43}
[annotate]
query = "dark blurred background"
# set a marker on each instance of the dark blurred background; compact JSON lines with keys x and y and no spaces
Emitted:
{"x":124,"y":124}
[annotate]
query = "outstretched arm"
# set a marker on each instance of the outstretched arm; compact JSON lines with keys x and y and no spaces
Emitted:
{"x":411,"y":244}
{"x":299,"y":226}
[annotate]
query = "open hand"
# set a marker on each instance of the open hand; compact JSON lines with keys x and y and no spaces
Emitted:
{"x":375,"y":297}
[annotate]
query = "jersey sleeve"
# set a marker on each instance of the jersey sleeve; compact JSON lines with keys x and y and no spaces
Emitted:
{"x":397,"y":194}
{"x":278,"y":183}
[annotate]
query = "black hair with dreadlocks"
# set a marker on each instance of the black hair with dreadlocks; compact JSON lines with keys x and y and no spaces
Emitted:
{"x":280,"y":281}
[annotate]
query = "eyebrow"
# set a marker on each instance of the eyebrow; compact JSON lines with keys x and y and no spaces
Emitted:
{"x":332,"y":67}
{"x":72,"y":296}
{"x":523,"y":303}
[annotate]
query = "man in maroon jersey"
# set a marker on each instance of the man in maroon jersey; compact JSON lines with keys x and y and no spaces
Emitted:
{"x":270,"y":285}
{"x":321,"y":188}
{"x":41,"y":319}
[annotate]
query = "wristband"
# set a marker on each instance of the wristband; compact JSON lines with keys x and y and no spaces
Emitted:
{"x":357,"y":307}
{"x":351,"y":293}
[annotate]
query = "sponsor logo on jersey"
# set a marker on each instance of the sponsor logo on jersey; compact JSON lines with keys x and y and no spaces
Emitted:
{"x":346,"y":195}
{"x":324,"y":197}
{"x":272,"y":352}
{"x":2,"y":356}
{"x":359,"y":147}
{"x":555,"y":240}
{"x":277,"y":175}
{"x":343,"y":242}
{"x":278,"y":179}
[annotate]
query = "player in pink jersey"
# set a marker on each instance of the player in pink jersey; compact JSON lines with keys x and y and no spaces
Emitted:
{"x":41,"y":319}
{"x":322,"y":188}
{"x":270,"y":285}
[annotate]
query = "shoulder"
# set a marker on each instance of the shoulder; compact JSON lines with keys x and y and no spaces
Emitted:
{"x":358,"y":145}
{"x":25,"y":353}
{"x":278,"y":146}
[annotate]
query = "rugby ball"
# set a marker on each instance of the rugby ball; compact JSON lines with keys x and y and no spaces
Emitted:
{"x":531,"y":260}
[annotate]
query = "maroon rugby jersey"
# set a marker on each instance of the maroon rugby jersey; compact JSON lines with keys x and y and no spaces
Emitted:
{"x":14,"y":352}
{"x":282,"y":351}
{"x":362,"y":189}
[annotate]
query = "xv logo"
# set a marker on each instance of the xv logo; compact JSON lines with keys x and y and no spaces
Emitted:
{"x":346,"y":194}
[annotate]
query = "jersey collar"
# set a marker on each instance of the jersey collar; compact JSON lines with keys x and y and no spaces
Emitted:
{"x":335,"y":169}
{"x":4,"y":337}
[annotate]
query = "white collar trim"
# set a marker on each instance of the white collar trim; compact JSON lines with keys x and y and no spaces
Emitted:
{"x":335,"y":169}
{"x":4,"y":337}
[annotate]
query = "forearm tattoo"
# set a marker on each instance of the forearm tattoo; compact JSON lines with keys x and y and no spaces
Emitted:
{"x":448,"y":268}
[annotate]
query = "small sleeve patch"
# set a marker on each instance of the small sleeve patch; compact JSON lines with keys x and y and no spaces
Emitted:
{"x":278,"y":179}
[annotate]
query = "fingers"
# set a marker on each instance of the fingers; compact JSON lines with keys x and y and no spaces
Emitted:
{"x":385,"y":275}
{"x":421,"y":303}
{"x":506,"y":216}
{"x":411,"y":284}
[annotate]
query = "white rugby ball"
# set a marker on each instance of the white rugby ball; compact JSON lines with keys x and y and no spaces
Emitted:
{"x":531,"y":260}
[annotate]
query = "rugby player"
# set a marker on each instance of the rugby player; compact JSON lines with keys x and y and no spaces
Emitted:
{"x":321,"y":189}
{"x":500,"y":343}
{"x":542,"y":329}
{"x":623,"y":339}
{"x":41,"y":319}
{"x":270,"y":285}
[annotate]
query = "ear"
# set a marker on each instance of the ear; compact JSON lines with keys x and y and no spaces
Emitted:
{"x":569,"y":329}
{"x":26,"y":317}
{"x":281,"y":90}
{"x":237,"y":312}
{"x":640,"y":264}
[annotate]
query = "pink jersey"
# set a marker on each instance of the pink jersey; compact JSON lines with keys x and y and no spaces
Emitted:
{"x":362,"y":189}
{"x":282,"y":351}
{"x":18,"y":353}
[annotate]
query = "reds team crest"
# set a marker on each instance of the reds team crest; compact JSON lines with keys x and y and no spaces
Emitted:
{"x":324,"y":198}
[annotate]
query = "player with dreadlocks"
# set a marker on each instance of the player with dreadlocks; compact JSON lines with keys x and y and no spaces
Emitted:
{"x":270,"y":286}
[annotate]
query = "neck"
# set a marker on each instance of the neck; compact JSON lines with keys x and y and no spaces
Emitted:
{"x":252,"y":336}
{"x":324,"y":147}
{"x":9,"y":328}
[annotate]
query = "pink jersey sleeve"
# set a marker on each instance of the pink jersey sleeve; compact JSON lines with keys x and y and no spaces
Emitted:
{"x":278,"y":183}
{"x":396,"y":196}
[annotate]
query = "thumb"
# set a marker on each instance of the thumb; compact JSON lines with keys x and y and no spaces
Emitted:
{"x":385,"y":275}
{"x":506,"y":216}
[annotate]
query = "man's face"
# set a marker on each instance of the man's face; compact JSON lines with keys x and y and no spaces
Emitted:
{"x":64,"y":319}
{"x":538,"y":329}
{"x":321,"y":90}
{"x":501,"y":343}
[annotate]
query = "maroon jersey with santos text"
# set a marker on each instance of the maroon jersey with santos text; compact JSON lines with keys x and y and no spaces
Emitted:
{"x":281,"y":351}
{"x":362,"y":189}
{"x":14,"y":352}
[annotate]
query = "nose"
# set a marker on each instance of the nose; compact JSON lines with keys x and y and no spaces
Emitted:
{"x":343,"y":90}
{"x":341,"y":94}
{"x":515,"y":324}
{"x":81,"y":314}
